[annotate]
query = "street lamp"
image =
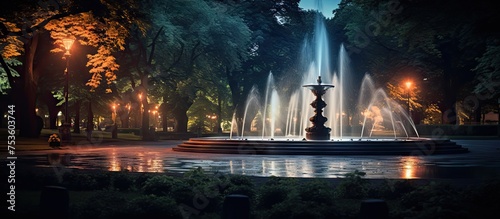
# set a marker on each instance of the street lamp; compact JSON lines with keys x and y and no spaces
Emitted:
{"x":212,"y":122}
{"x":113,"y":115}
{"x":140,"y":109}
{"x":408,"y":86}
{"x":66,"y":134}
{"x":114,"y":132}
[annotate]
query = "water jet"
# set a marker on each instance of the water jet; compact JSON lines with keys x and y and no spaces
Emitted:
{"x":384,"y":127}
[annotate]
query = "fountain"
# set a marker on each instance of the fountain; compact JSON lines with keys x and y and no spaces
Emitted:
{"x":384,"y":129}
{"x":318,"y":131}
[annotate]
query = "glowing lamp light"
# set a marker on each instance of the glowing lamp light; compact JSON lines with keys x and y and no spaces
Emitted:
{"x":408,"y":84}
{"x":67,"y":44}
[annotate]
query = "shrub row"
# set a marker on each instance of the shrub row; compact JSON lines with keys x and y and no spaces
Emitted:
{"x":200,"y":195}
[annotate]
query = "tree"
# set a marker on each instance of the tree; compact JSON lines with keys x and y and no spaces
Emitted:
{"x":437,"y":40}
{"x":101,"y":23}
{"x":277,"y":35}
{"x":197,"y":34}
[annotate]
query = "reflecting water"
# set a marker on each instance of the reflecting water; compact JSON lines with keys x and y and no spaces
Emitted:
{"x":480,"y":162}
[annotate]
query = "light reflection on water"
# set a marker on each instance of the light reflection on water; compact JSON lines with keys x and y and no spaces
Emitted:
{"x":281,"y":166}
{"x":481,"y":162}
{"x":478,"y":164}
{"x":143,"y":162}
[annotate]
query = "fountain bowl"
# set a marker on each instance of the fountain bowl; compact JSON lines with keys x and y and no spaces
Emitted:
{"x":346,"y":146}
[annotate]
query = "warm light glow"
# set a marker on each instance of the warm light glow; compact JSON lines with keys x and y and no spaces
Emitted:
{"x":67,"y":44}
{"x":409,"y":167}
{"x":408,"y":84}
{"x":140,"y":96}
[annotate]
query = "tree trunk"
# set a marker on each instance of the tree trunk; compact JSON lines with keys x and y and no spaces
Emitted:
{"x":125,"y":120}
{"x":182,"y":121}
{"x":26,"y":104}
{"x":477,"y":113}
{"x":53,"y":117}
{"x":164,"y":121}
{"x":164,"y":115}
{"x":76,"y":128}
{"x":180,"y":106}
{"x":90,"y":121}
{"x":137,"y":116}
{"x":146,"y":134}
{"x":51,"y":103}
{"x":219,"y":113}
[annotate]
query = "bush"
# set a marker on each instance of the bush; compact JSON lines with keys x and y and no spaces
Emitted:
{"x":435,"y":200}
{"x":484,"y":198}
{"x":123,"y":181}
{"x":352,"y":186}
{"x":317,"y":191}
{"x":103,"y":180}
{"x":79,"y":181}
{"x":275,"y":191}
{"x":183,"y":193}
{"x":104,"y":204}
{"x":285,"y":198}
{"x":159,"y":185}
{"x":151,"y":207}
{"x":391,"y":189}
{"x":140,"y":180}
{"x":242,"y":185}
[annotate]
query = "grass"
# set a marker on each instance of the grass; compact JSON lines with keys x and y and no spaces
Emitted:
{"x":29,"y":200}
{"x":40,"y":143}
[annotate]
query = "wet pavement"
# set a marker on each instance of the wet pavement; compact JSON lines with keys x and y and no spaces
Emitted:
{"x":480,"y":163}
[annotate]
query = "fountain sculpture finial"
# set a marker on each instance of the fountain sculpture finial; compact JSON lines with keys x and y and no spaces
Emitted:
{"x":319,"y":80}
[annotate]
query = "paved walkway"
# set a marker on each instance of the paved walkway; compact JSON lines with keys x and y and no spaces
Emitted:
{"x":480,"y":163}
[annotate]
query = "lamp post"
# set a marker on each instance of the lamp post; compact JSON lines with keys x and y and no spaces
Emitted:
{"x":140,"y":111}
{"x":408,"y":86}
{"x":66,"y":133}
{"x":114,"y":132}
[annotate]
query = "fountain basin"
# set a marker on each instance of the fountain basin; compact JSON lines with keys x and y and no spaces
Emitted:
{"x":365,"y":146}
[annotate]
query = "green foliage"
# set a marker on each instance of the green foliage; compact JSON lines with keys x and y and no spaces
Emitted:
{"x":317,"y":191}
{"x":159,"y":185}
{"x":488,"y":69}
{"x":353,"y":186}
{"x":123,"y":181}
{"x":195,"y":186}
{"x":275,"y":198}
{"x":486,"y":194}
{"x":391,"y":189}
{"x":435,"y":200}
{"x":103,"y":204}
{"x":286,"y":198}
{"x":103,"y":180}
{"x":4,"y":81}
{"x":275,"y":191}
{"x":239,"y":184}
{"x":150,"y":206}
{"x":79,"y":181}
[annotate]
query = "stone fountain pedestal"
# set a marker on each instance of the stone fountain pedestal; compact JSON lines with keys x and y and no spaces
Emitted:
{"x":318,"y":131}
